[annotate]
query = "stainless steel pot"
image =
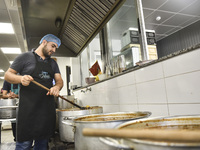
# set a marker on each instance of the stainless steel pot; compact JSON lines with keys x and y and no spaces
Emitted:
{"x":62,"y":104}
{"x":8,"y":108}
{"x":66,"y":116}
{"x":175,"y":122}
{"x":107,"y":120}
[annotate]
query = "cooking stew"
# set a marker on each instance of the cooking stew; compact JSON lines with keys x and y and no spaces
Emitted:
{"x":78,"y":109}
{"x":111,"y":117}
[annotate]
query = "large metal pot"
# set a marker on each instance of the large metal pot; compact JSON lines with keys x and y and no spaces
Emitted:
{"x":107,"y":120}
{"x":66,"y":116}
{"x":62,"y":104}
{"x":7,"y":108}
{"x":175,"y":122}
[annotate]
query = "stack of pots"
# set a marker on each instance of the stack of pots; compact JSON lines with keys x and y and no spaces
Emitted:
{"x":66,"y":116}
{"x":106,"y":120}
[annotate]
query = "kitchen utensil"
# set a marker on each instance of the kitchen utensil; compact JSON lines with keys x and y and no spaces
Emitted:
{"x":8,"y":108}
{"x":106,"y":120}
{"x":62,"y":104}
{"x":173,"y":123}
{"x":66,"y":119}
{"x":42,"y":86}
{"x":90,"y":80}
{"x":150,"y":134}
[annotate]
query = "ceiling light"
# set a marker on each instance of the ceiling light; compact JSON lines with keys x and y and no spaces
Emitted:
{"x":2,"y":78}
{"x":10,"y":62}
{"x":158,"y":18}
{"x":6,"y":28}
{"x":8,"y":50}
{"x":1,"y":70}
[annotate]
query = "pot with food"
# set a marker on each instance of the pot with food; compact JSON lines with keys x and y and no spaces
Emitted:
{"x":106,"y":120}
{"x":65,"y":120}
{"x":179,"y":129}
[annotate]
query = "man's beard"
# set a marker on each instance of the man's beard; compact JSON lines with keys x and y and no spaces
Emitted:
{"x":45,"y":51}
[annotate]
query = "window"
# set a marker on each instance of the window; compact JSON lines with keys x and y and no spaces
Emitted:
{"x":123,"y":37}
{"x":88,"y":57}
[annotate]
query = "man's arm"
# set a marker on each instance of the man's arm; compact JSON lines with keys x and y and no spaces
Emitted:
{"x":55,"y":90}
{"x":12,"y":77}
{"x":58,"y":81}
{"x":9,"y":95}
{"x":5,"y":92}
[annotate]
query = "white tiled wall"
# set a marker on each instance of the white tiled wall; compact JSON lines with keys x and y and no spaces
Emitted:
{"x":167,"y":88}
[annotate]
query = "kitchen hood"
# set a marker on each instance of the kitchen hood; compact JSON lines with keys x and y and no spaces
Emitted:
{"x":75,"y":22}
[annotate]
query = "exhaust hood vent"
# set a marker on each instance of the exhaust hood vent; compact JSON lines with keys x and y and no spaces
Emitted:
{"x":85,"y":19}
{"x":79,"y":21}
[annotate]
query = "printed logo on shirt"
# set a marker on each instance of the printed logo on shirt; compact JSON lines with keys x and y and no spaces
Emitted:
{"x":44,"y":75}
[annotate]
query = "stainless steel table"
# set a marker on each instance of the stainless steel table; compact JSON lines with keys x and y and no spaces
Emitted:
{"x":13,"y":120}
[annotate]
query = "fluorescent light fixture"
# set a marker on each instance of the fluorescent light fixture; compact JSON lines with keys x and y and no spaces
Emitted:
{"x":2,"y":78}
{"x":1,"y":70}
{"x":8,"y":50}
{"x":6,"y":28}
{"x":10,"y":62}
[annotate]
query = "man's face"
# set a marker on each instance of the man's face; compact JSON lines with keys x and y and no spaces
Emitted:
{"x":49,"y":48}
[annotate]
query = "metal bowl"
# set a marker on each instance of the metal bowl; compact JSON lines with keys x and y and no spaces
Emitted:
{"x":90,"y":80}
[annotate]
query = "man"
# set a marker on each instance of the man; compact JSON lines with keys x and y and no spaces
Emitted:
{"x":36,"y":116}
{"x":11,"y":91}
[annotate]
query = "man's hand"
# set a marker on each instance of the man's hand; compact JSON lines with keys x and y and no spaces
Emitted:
{"x":54,"y":91}
{"x":12,"y":95}
{"x":26,"y":79}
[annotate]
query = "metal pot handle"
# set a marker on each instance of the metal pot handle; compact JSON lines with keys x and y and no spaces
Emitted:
{"x":69,"y":118}
{"x":68,"y":123}
{"x":115,"y":143}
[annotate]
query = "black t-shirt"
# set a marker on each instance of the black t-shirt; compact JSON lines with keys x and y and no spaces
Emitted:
{"x":25,"y":63}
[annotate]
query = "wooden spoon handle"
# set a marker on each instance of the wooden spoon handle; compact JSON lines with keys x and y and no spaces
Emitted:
{"x":40,"y":85}
{"x":44,"y":87}
{"x":151,"y":134}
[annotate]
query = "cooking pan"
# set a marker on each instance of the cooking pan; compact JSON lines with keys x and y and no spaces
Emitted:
{"x":188,"y":124}
{"x":105,"y":120}
{"x":66,"y":132}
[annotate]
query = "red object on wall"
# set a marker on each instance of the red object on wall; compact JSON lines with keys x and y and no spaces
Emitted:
{"x":95,"y":69}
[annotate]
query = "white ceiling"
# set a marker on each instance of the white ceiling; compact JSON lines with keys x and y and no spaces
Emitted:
{"x":175,"y":15}
{"x":9,"y":14}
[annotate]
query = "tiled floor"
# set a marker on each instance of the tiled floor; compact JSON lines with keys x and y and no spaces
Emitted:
{"x":7,"y":142}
